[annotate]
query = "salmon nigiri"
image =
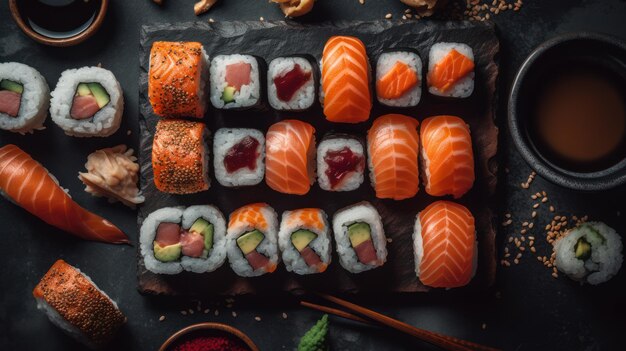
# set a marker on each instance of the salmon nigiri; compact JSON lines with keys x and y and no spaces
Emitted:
{"x":289,"y":154}
{"x":345,"y":80}
{"x":28,"y":184}
{"x":392,"y":147}
{"x":448,"y":161}
{"x":445,"y":245}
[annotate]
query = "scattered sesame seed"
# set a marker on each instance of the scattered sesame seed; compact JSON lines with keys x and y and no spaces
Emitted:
{"x":555,"y":275}
{"x":551,"y":208}
{"x":544,"y":200}
{"x":261,"y":19}
{"x":516,"y":261}
{"x":184,"y":313}
{"x":531,"y":225}
{"x":257,"y":318}
{"x":532,"y":249}
{"x":388,"y":16}
{"x":403,"y":17}
{"x":284,"y":315}
{"x":207,"y":311}
{"x":389,"y":240}
{"x":128,"y":132}
{"x":216,"y":313}
{"x":190,"y":311}
{"x":407,"y":11}
{"x":535,"y":205}
{"x":161,"y":319}
{"x":234,"y":314}
{"x":533,"y":196}
{"x":211,"y":20}
{"x":534,"y":214}
{"x":507,"y":215}
{"x":361,"y":2}
{"x":484,"y":326}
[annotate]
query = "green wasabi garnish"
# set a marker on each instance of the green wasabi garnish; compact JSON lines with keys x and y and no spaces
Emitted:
{"x":315,"y":338}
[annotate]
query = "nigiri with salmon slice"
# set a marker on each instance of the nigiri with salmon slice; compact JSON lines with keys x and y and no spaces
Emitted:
{"x":446,"y":155}
{"x":290,"y":157}
{"x":393,"y":145}
{"x":451,"y":70}
{"x":444,"y":243}
{"x":29,"y":185}
{"x":399,"y":79}
{"x":346,"y":94}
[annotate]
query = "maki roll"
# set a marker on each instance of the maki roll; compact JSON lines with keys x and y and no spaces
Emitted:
{"x":340,"y":162}
{"x":180,"y":158}
{"x":399,"y":79}
{"x":304,"y":241}
{"x":235,"y":81}
{"x":75,"y":304}
{"x":360,"y":237}
{"x":590,"y":253}
{"x":238,"y":156}
{"x":174,"y":239}
{"x":444,"y":244}
{"x":251,"y":240}
{"x":87,"y":102}
{"x":291,"y":83}
{"x":451,"y":70}
{"x":24,"y":98}
{"x":177,"y":79}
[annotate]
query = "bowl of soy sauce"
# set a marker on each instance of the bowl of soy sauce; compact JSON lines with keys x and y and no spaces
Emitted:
{"x":567,"y":111}
{"x":59,"y":22}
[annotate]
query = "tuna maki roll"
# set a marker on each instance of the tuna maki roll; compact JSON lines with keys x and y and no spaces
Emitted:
{"x":235,"y":81}
{"x":238,"y":156}
{"x":451,"y":70}
{"x":340,"y":162}
{"x":291,"y":83}
{"x":24,"y":98}
{"x":399,"y":79}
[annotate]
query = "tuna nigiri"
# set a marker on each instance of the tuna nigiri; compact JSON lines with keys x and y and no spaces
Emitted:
{"x":392,"y":147}
{"x":29,"y":185}
{"x":445,"y":245}
{"x":345,"y":80}
{"x":289,"y":154}
{"x":448,"y":161}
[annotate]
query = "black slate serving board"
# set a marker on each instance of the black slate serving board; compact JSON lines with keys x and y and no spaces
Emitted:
{"x":272,"y":39}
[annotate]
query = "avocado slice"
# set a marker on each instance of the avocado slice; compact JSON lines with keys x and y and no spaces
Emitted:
{"x":167,"y":253}
{"x":101,"y":95}
{"x":302,"y":238}
{"x":10,"y":85}
{"x":359,"y":233}
{"x":249,"y":241}
{"x":83,"y":90}
{"x":204,"y":228}
{"x":229,"y":94}
{"x":583,"y":249}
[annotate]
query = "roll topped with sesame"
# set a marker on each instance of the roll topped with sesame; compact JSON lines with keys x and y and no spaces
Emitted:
{"x":76,"y":305}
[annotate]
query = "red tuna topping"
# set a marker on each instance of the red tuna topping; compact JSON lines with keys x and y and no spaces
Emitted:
{"x":310,"y":257}
{"x":288,"y":84}
{"x":10,"y":102}
{"x":366,"y":253}
{"x":84,"y":107}
{"x":256,"y":260}
{"x":193,"y":244}
{"x":238,"y":74}
{"x":241,"y":155}
{"x":341,"y":163}
{"x":167,"y":234}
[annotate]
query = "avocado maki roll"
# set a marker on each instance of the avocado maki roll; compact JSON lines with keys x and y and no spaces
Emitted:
{"x":24,"y":98}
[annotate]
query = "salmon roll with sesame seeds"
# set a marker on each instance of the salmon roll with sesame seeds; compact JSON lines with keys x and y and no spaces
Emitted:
{"x":180,"y":157}
{"x":177,"y":79}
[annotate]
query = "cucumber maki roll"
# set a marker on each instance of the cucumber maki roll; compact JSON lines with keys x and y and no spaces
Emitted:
{"x":236,"y":81}
{"x":24,"y":98}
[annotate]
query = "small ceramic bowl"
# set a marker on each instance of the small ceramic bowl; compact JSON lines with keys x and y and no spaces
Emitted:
{"x":208,"y":327}
{"x":596,"y":49}
{"x":68,"y":41}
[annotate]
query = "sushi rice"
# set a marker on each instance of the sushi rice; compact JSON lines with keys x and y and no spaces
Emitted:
{"x":465,"y":86}
{"x":386,"y":61}
{"x":223,"y":141}
{"x":304,"y":97}
{"x":248,"y":96}
{"x":35,"y":99}
{"x":290,"y":255}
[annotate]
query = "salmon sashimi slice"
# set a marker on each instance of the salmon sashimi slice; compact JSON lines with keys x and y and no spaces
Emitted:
{"x":345,"y":80}
{"x":393,"y":145}
{"x":450,"y":70}
{"x":289,"y":153}
{"x":167,"y":234}
{"x":258,"y":261}
{"x":10,"y":102}
{"x":192,"y":244}
{"x":84,"y":107}
{"x":312,"y":259}
{"x":28,"y":184}
{"x":311,"y":218}
{"x":445,"y":231}
{"x":250,"y":216}
{"x":175,"y":79}
{"x":397,"y":81}
{"x":448,"y":160}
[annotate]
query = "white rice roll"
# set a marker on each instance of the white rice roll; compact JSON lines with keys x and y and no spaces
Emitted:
{"x":104,"y":122}
{"x":34,"y":99}
{"x":304,"y":97}
{"x":248,"y":95}
{"x":217,"y":254}
{"x":590,"y":253}
{"x":335,"y":143}
{"x":389,"y":59}
{"x":224,"y":140}
{"x":321,"y":245}
{"x":361,"y":212}
{"x":147,"y":234}
{"x":462,"y":88}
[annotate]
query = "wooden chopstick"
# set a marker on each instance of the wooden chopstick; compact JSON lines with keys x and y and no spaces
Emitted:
{"x":336,"y":312}
{"x":443,"y":341}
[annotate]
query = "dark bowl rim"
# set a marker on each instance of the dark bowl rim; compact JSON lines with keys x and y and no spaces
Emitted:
{"x":209,"y":326}
{"x":594,"y":181}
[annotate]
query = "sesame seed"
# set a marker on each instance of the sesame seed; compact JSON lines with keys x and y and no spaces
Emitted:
{"x":484,"y":326}
{"x":207,"y":311}
{"x":533,"y":196}
{"x":534,"y":214}
{"x":361,"y":2}
{"x":388,"y":16}
{"x":508,"y":215}
{"x":234,"y":314}
{"x":257,"y":318}
{"x":190,"y":311}
{"x":516,"y":261}
{"x":544,"y":200}
{"x":261,"y":19}
{"x":161,"y":319}
{"x":403,"y":17}
{"x":555,"y":275}
{"x":284,"y":315}
{"x":184,"y":313}
{"x":532,"y":249}
{"x":551,"y":208}
{"x":535,"y":205}
{"x":128,"y":132}
{"x":211,"y":20}
{"x":216,"y":313}
{"x":407,"y":11}
{"x":531,"y":225}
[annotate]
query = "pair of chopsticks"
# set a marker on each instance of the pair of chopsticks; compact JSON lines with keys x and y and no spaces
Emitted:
{"x":443,"y":341}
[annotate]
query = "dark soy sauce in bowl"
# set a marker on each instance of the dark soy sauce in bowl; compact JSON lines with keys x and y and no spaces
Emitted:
{"x":59,"y":18}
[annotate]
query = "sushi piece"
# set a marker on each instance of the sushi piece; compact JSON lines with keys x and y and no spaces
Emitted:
{"x":251,"y":240}
{"x":74,"y":303}
{"x":28,"y":184}
{"x":174,"y":239}
{"x":340,"y":162}
{"x":290,"y":157}
{"x":24,"y":98}
{"x":304,"y":241}
{"x":291,"y":83}
{"x":590,"y":253}
{"x":392,"y":145}
{"x":180,"y":158}
{"x":360,"y":237}
{"x":451,"y":70}
{"x":239,"y":156}
{"x":399,"y":79}
{"x":446,"y":155}
{"x":87,"y":102}
{"x":444,"y":243}
{"x":236,"y":81}
{"x":177,"y":79}
{"x":346,"y":94}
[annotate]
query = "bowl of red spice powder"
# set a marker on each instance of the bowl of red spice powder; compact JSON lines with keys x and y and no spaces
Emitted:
{"x":209,"y":337}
